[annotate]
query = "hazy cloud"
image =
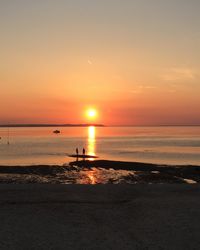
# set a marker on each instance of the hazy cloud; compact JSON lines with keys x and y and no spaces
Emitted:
{"x":179,"y":74}
{"x":147,"y":86}
{"x":137,"y":89}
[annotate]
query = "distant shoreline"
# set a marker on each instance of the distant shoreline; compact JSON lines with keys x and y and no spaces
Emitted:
{"x":48,"y":125}
{"x":86,"y":125}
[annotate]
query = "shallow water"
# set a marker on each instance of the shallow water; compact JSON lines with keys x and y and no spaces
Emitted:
{"x":164,"y":145}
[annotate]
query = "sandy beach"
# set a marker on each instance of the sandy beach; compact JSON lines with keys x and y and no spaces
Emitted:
{"x":158,"y":211}
{"x":99,"y":217}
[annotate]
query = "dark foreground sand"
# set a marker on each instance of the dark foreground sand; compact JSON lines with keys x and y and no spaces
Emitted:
{"x":100,"y":217}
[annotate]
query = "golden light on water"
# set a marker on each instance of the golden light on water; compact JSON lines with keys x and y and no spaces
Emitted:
{"x":91,"y":177}
{"x":91,"y":140}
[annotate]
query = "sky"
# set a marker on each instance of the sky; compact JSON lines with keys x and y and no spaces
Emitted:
{"x":136,"y":62}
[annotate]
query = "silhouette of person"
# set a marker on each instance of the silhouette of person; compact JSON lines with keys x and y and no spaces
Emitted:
{"x":83,"y":151}
{"x":77,"y":151}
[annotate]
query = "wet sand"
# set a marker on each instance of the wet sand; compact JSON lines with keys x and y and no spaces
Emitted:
{"x":99,"y":217}
{"x":100,"y":171}
{"x":148,"y":172}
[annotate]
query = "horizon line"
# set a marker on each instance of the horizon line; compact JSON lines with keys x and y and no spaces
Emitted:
{"x":93,"y":124}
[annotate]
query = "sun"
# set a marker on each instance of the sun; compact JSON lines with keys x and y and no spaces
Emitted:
{"x":91,"y":113}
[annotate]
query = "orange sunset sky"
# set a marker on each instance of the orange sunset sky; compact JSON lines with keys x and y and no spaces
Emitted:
{"x":135,"y":61}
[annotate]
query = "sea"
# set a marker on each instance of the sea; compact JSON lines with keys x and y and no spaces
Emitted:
{"x":39,"y":145}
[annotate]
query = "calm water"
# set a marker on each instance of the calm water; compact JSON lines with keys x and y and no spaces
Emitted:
{"x":165,"y":145}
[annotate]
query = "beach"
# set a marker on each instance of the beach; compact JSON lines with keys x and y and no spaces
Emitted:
{"x":99,"y":217}
{"x":158,"y":211}
{"x":100,"y":172}
{"x":153,"y":206}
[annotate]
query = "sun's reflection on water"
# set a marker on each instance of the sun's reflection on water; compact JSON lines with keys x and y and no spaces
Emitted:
{"x":91,"y":140}
{"x":91,"y":177}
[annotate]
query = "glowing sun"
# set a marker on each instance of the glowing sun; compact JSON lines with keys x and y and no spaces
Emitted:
{"x":91,"y":113}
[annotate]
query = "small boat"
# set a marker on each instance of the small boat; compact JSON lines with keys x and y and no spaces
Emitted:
{"x":56,"y":131}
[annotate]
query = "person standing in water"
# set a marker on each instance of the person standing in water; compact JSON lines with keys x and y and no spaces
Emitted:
{"x":83,"y":151}
{"x":76,"y":154}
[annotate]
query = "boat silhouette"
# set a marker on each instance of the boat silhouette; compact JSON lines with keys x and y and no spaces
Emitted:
{"x":56,"y":131}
